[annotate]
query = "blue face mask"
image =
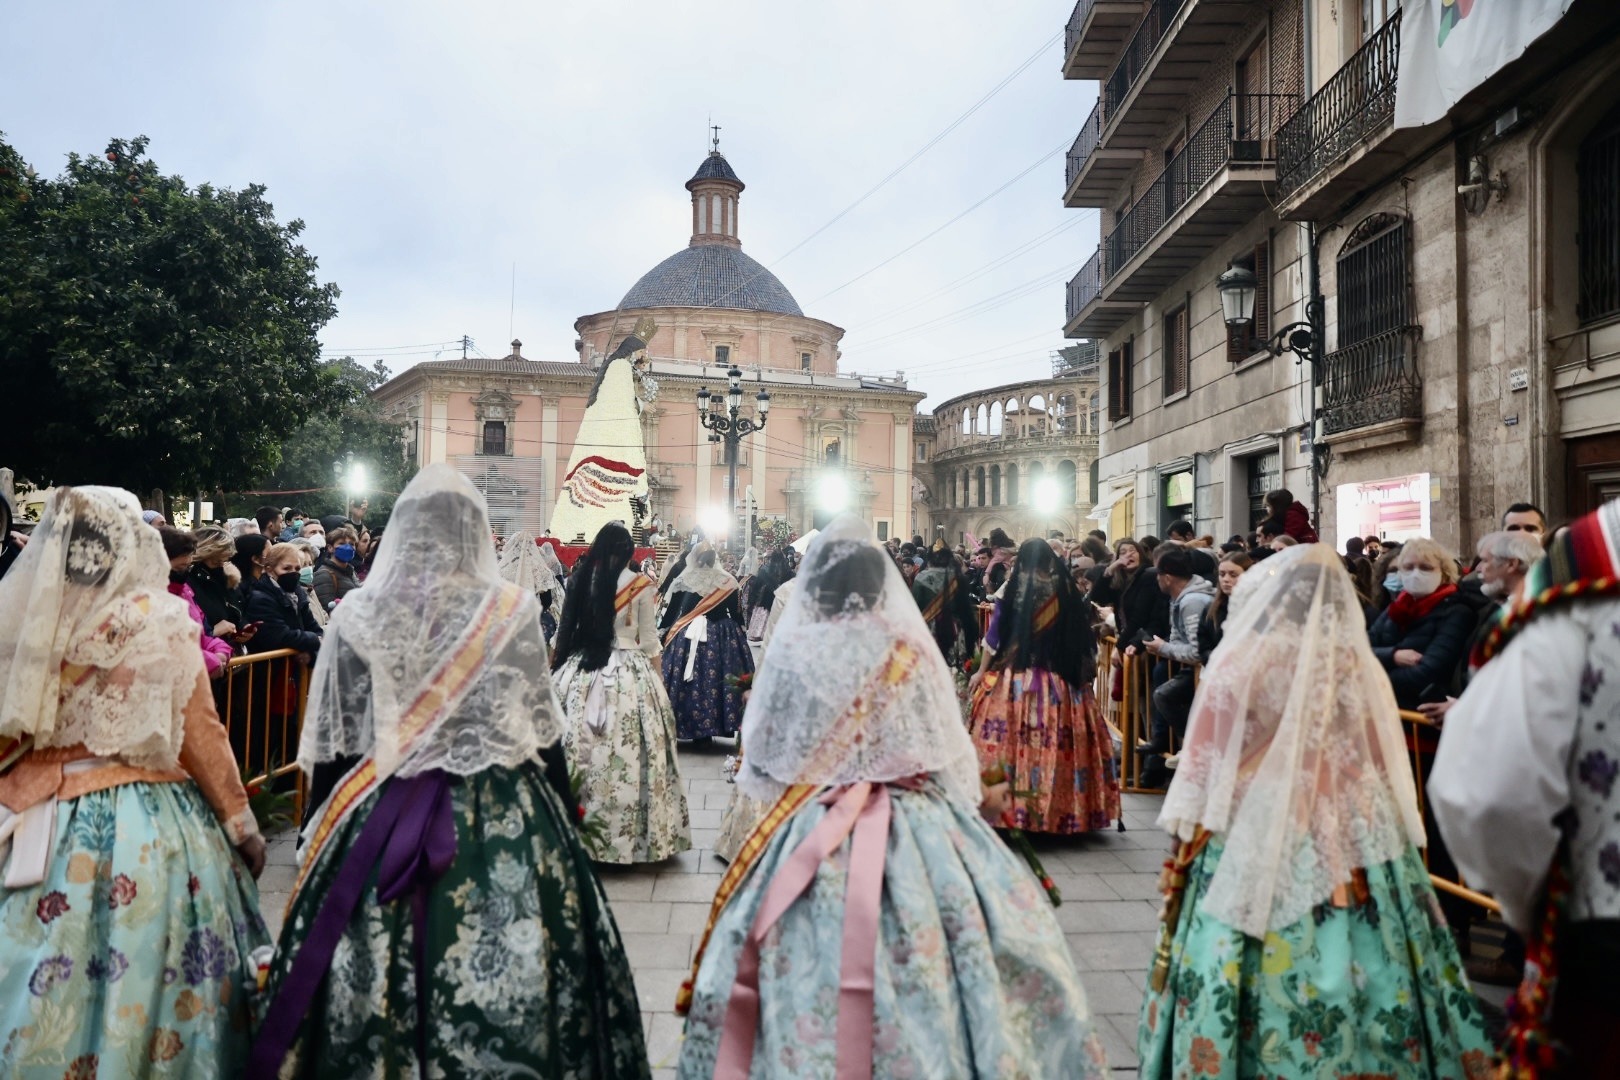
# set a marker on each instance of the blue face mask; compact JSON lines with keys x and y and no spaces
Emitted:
{"x":343,"y":553}
{"x":1392,"y":583}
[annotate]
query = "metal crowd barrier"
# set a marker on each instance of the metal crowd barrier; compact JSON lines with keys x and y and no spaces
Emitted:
{"x":1416,"y":725}
{"x":261,"y":700}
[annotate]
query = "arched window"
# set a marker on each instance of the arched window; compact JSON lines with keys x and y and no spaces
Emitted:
{"x":978,"y":477}
{"x":1065,"y":479}
{"x":995,"y":485}
{"x":967,"y":422}
{"x":1065,"y":414}
{"x":950,"y":498}
{"x":1012,"y":485}
{"x":995,"y":419}
{"x":1037,"y":404}
{"x":1036,"y":471}
{"x":1094,"y":412}
{"x":981,"y":421}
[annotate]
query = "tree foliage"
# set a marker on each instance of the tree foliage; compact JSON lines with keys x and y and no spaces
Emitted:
{"x":358,"y":428}
{"x":152,"y":334}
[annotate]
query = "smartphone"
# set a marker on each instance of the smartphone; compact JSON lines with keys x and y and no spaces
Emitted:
{"x":253,"y":625}
{"x":1433,"y":694}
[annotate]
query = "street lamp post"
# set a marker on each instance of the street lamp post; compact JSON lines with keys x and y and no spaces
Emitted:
{"x":729,"y":425}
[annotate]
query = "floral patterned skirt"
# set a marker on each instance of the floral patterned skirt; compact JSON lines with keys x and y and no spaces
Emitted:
{"x":526,"y":971}
{"x":742,"y":814}
{"x":973,"y":975}
{"x":1376,"y":989}
{"x":132,"y":957}
{"x":630,"y":784}
{"x":704,"y":705}
{"x":1052,"y":740}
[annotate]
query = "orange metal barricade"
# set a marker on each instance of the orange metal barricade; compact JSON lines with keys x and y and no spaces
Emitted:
{"x":261,"y":700}
{"x":1135,"y":714}
{"x":1416,"y":725}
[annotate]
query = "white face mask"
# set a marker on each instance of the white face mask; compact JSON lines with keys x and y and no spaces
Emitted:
{"x":318,"y":540}
{"x":1420,"y":583}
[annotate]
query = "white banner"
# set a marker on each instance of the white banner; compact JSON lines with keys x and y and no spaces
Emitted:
{"x":1448,"y":47}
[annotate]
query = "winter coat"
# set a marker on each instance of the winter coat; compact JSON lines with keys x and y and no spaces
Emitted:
{"x":214,"y":595}
{"x":217,"y":652}
{"x":333,"y":581}
{"x":1441,"y":636}
{"x":1141,"y":610}
{"x":1297,"y":523}
{"x":1210,"y":632}
{"x":288,"y":622}
{"x":1186,"y":613}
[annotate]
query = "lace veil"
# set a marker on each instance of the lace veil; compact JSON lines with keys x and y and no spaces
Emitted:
{"x":522,"y":564}
{"x":437,"y":663}
{"x":702,"y":580}
{"x":1294,"y":752}
{"x":93,"y":649}
{"x":853,"y":687}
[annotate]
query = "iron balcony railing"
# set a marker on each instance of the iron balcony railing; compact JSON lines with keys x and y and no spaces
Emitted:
{"x":1138,"y":52}
{"x":1373,"y":381}
{"x":1085,"y":144}
{"x":1085,"y":286}
{"x":1239,"y":129}
{"x":1356,"y":102}
{"x":1077,"y":23}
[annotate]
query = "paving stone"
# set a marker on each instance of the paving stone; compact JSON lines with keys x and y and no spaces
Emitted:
{"x":706,"y":819}
{"x":656,"y":987}
{"x":1107,"y":916}
{"x":634,"y":885}
{"x":1139,"y":886}
{"x":690,"y":888}
{"x":664,"y":1041}
{"x":640,"y":916}
{"x":1112,"y":993}
{"x":658,"y":950}
{"x":1122,"y":1052}
{"x":688,"y":918}
{"x":1077,"y":887}
{"x":1123,"y":951}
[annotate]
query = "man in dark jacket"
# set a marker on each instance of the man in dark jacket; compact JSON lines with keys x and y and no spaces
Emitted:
{"x":277,"y":603}
{"x":1203,"y":562}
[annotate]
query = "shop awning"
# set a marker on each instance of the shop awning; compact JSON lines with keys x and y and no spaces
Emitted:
{"x":1105,"y":505}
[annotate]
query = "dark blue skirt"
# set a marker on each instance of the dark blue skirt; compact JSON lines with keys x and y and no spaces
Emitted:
{"x":705,"y":706}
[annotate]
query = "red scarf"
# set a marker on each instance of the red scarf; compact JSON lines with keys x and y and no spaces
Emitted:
{"x":1407,"y":609}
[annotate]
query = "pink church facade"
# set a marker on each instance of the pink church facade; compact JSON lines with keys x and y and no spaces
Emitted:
{"x":831,"y":439}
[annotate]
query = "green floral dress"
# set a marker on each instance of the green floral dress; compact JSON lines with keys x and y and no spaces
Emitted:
{"x":527,"y":976}
{"x":1370,"y":991}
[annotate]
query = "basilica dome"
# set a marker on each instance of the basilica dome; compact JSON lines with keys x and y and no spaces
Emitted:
{"x":711,"y":276}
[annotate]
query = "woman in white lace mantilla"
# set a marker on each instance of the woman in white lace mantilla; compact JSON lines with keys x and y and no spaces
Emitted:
{"x":1300,"y":934}
{"x":705,"y":645}
{"x":446,"y":919}
{"x":525,"y":564}
{"x":121,"y":814}
{"x":620,"y":732}
{"x":873,"y":924}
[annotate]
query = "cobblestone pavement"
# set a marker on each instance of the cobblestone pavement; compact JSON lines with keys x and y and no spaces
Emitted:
{"x":1109,"y":911}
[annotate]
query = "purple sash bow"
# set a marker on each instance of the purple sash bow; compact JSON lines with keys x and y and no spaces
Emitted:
{"x":410,"y":837}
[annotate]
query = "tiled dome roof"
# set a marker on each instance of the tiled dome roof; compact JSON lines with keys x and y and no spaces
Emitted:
{"x":715,"y":167}
{"x":711,"y":275}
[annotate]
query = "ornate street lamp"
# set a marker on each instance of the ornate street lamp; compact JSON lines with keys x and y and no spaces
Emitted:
{"x":731,"y":426}
{"x":1238,"y":288}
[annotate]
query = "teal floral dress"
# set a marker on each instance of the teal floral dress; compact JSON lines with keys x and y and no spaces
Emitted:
{"x":133,"y":956}
{"x":973,"y":976}
{"x":526,"y":974}
{"x":1373,"y":990}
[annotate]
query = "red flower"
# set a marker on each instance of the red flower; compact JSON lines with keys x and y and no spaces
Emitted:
{"x":123,"y":892}
{"x":580,"y":810}
{"x":83,"y":1068}
{"x":193,"y":885}
{"x":253,"y":790}
{"x":1204,"y":1058}
{"x":1313,"y":1043}
{"x":52,"y":905}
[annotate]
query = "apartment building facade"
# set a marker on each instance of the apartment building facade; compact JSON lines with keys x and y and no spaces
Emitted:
{"x":1449,"y":285}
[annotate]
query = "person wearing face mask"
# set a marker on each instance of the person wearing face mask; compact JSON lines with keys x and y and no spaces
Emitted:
{"x":335,"y":577}
{"x":276,"y":602}
{"x":181,"y":548}
{"x":1424,"y":632}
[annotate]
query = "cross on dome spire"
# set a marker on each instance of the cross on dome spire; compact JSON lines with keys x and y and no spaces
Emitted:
{"x":714,"y":143}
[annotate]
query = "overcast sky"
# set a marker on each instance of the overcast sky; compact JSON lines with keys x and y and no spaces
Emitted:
{"x":429,"y":146}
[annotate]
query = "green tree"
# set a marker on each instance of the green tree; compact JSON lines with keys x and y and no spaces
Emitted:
{"x":358,"y":427}
{"x":152,"y":334}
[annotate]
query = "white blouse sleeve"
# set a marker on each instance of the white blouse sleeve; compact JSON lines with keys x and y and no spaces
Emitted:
{"x":1501,"y":776}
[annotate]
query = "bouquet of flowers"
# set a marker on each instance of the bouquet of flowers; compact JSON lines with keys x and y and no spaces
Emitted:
{"x":741,"y":683}
{"x":591,"y":829}
{"x":970,"y":665}
{"x":1017,"y":839}
{"x":272,"y":809}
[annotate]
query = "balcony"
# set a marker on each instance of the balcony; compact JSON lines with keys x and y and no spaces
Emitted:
{"x":1212,"y":187}
{"x":1097,"y":31}
{"x":1372,"y":393}
{"x":1093,"y":174}
{"x":1087,"y":315}
{"x":1341,"y":141}
{"x":1163,"y":62}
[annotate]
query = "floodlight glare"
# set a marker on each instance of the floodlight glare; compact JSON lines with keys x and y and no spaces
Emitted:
{"x":1046,"y":496}
{"x":833,"y":493}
